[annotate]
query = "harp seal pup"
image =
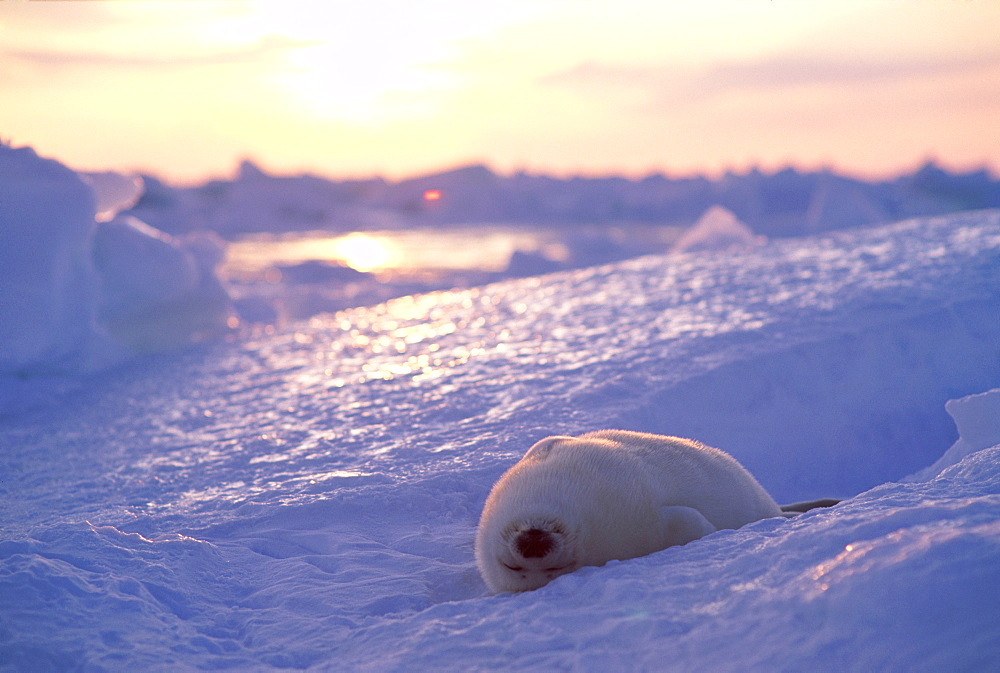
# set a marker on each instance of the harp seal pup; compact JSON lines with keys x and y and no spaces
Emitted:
{"x":612,"y":494}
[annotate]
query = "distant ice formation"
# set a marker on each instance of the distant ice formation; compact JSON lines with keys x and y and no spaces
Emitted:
{"x":717,"y":229}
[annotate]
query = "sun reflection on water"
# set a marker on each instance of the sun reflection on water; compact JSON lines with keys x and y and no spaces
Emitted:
{"x":366,"y":252}
{"x":360,"y":251}
{"x":484,"y":249}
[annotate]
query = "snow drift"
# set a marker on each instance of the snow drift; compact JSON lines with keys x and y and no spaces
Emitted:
{"x":308,"y":500}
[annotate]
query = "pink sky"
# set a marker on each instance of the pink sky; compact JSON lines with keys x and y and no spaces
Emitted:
{"x":186,"y":89}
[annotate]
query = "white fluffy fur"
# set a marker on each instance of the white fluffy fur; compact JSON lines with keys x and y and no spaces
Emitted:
{"x":606,"y":495}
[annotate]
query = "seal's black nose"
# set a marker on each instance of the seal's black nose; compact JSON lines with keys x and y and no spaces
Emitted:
{"x":534,"y":543}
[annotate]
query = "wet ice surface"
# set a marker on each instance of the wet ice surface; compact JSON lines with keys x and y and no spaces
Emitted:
{"x":309,"y":499}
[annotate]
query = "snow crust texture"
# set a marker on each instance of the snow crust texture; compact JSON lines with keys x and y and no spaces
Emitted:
{"x":308,"y":500}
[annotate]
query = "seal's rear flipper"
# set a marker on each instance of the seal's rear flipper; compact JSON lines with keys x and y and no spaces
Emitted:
{"x":799,"y":507}
{"x":684,"y":524}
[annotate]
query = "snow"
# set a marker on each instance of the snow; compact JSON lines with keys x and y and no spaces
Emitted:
{"x":307,"y":498}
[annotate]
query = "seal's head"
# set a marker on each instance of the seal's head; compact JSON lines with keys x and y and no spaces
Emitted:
{"x":531,"y":553}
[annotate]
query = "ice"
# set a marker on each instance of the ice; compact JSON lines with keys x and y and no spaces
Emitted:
{"x":307,"y":498}
{"x":575,"y":221}
{"x":717,"y":229}
{"x":158,"y":292}
{"x":48,"y":285}
{"x":783,"y":203}
{"x":978,"y":421}
{"x":114,"y":192}
{"x":83,"y":289}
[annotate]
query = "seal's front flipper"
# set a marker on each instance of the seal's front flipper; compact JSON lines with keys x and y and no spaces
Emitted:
{"x":684,"y":524}
{"x":799,"y":507}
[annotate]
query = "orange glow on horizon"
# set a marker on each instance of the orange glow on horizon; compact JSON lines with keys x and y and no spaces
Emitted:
{"x":432,"y":195}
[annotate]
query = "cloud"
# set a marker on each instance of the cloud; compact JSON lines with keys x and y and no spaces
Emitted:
{"x":264,"y":49}
{"x":591,"y":74}
{"x":783,"y":72}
